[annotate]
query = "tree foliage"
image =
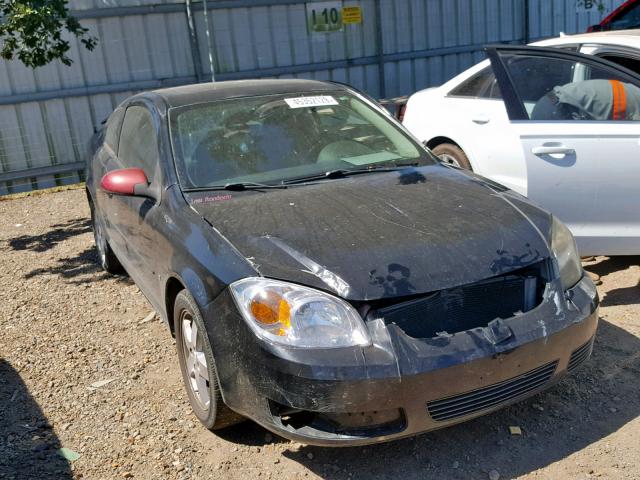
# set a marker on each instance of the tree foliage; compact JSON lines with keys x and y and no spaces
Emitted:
{"x":32,"y":31}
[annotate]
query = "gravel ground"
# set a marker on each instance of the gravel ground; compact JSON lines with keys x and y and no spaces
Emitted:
{"x":84,"y":367}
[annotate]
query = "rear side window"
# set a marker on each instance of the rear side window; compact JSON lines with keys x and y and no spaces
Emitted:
{"x":113,"y":129}
{"x":482,"y":85}
{"x":138,"y":142}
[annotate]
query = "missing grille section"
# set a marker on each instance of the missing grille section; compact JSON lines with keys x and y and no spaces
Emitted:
{"x":469,"y":306}
{"x":365,"y":424}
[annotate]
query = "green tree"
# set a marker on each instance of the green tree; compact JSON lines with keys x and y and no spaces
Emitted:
{"x":32,"y":31}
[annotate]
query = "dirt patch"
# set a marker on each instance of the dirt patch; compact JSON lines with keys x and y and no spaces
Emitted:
{"x":81,"y":369}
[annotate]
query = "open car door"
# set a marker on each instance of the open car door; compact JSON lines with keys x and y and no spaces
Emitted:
{"x":578,"y":120}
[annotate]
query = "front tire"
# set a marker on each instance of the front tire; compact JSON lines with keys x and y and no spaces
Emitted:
{"x":198,"y":366}
{"x":453,"y":155}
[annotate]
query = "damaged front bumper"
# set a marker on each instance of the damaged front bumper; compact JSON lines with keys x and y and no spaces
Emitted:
{"x":400,"y":386}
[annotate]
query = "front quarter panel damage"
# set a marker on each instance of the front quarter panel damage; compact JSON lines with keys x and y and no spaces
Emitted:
{"x":396,"y":371}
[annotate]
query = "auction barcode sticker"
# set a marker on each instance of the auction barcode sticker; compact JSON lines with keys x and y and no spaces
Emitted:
{"x":317,"y":101}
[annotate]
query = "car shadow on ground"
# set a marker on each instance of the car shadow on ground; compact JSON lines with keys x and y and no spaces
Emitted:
{"x":622,"y":296}
{"x":606,"y":265}
{"x":78,"y":269}
{"x":82,"y":268}
{"x":617,"y":296}
{"x":250,"y":434}
{"x":58,"y":233}
{"x":28,"y":444}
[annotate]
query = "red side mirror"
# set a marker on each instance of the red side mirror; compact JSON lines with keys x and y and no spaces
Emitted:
{"x":123,"y":182}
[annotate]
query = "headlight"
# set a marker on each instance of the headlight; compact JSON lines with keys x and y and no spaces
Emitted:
{"x":566,"y":252}
{"x":297,"y":316}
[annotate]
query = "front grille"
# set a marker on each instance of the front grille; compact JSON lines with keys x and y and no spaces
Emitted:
{"x":463,"y":308}
{"x":487,"y":397}
{"x":580,"y":355}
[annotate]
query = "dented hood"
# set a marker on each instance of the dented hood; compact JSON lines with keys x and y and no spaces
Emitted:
{"x":381,"y":235}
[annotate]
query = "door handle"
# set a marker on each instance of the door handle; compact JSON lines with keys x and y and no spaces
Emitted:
{"x":553,"y":150}
{"x":481,"y":119}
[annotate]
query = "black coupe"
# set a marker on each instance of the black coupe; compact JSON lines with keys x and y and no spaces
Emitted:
{"x":322,"y":273}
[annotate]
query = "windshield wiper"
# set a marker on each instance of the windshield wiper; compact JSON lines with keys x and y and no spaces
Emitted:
{"x":330,"y":174}
{"x":237,"y":187}
{"x":346,"y":172}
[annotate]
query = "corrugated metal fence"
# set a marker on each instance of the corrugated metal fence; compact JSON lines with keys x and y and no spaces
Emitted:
{"x":48,"y":115}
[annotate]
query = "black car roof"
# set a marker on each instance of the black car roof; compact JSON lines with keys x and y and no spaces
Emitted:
{"x":209,"y":92}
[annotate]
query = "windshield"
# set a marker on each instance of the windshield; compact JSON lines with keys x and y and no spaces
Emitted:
{"x":275,"y":138}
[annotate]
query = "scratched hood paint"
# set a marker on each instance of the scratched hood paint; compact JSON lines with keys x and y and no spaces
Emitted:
{"x":381,"y":235}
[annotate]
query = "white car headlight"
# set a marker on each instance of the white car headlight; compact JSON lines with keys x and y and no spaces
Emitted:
{"x":566,"y":252}
{"x":297,"y":316}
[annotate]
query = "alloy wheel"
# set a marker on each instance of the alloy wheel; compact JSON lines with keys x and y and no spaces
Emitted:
{"x":195,"y":360}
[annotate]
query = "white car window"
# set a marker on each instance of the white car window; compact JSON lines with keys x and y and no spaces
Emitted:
{"x":481,"y":85}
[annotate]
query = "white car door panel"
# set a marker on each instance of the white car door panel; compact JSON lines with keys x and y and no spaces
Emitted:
{"x":495,"y":145}
{"x":589,"y":176}
{"x":582,"y":154}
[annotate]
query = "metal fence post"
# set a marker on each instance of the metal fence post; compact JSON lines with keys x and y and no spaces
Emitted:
{"x":527,"y":33}
{"x":208,"y":33}
{"x":379,"y":41}
{"x":193,"y":40}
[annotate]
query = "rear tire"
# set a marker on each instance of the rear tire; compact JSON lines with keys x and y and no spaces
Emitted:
{"x":198,"y":366}
{"x":452,"y":155}
{"x":106,"y":258}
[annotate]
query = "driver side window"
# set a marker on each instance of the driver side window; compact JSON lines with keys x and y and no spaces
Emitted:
{"x":138,"y":147}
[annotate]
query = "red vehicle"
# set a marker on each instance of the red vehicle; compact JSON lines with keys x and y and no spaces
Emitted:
{"x":625,"y":17}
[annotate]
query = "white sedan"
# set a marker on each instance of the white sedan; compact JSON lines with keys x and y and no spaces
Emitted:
{"x":497,"y":119}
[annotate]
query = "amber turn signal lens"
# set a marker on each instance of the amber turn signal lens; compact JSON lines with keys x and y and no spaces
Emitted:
{"x":270,"y":308}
